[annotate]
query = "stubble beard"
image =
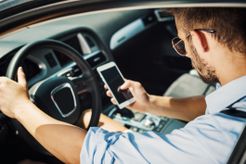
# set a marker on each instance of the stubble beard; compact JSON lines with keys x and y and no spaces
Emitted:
{"x":206,"y":72}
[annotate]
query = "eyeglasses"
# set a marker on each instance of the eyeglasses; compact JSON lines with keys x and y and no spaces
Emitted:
{"x":179,"y":45}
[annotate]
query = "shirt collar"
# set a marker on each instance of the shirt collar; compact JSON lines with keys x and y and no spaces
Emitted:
{"x":226,"y":95}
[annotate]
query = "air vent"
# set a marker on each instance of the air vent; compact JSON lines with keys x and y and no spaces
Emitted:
{"x":73,"y":42}
{"x":89,"y":41}
{"x":95,"y":59}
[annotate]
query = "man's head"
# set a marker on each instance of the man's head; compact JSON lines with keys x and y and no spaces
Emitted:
{"x":209,"y":34}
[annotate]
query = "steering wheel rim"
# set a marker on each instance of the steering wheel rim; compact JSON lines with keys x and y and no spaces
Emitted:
{"x":80,"y":62}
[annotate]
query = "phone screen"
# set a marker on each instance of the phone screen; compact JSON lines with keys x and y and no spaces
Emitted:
{"x":114,"y":80}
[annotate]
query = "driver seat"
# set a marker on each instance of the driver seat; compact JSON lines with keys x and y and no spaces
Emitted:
{"x":189,"y":84}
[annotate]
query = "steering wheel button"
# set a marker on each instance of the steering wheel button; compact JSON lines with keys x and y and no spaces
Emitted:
{"x":58,"y":94}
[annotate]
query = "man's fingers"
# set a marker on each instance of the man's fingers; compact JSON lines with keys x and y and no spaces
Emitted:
{"x":113,"y":101}
{"x":105,"y":87}
{"x":21,"y":77}
{"x":109,"y":94}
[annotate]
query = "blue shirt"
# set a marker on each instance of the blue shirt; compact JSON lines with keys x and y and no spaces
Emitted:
{"x":207,"y":139}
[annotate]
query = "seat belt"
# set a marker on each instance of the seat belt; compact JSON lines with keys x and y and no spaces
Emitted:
{"x":239,"y":150}
{"x":233,"y":111}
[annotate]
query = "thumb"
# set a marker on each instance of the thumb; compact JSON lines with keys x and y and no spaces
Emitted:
{"x":125,"y":85}
{"x":21,"y":77}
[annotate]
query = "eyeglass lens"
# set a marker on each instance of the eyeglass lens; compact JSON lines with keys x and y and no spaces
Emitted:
{"x":179,"y":46}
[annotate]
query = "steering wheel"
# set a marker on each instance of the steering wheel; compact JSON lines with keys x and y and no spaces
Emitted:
{"x":58,"y":95}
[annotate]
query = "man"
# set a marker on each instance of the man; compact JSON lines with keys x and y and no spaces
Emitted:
{"x":214,"y":39}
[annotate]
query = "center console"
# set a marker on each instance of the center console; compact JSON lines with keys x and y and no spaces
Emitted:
{"x":142,"y":122}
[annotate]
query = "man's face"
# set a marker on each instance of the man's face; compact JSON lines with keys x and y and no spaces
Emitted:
{"x":206,"y":72}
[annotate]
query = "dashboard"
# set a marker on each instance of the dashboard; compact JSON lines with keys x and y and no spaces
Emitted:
{"x":92,"y":36}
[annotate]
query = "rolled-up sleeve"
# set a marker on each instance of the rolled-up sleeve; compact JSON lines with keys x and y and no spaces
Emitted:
{"x":101,"y":146}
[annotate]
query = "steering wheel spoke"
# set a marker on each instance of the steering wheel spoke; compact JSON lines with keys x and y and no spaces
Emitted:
{"x":81,"y":84}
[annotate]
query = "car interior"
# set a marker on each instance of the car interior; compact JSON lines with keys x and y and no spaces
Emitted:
{"x":138,"y":40}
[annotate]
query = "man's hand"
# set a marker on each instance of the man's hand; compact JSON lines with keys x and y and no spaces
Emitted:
{"x":163,"y":105}
{"x":13,"y":94}
{"x":142,"y":98}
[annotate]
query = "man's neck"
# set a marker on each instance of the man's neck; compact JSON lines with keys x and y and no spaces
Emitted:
{"x":234,"y":66}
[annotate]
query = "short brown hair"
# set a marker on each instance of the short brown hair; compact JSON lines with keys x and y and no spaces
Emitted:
{"x":229,"y":24}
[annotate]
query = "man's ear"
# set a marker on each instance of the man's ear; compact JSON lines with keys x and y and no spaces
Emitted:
{"x":199,"y":40}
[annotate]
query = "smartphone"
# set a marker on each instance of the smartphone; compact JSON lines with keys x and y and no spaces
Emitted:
{"x":112,"y":77}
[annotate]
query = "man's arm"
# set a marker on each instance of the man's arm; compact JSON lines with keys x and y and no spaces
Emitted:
{"x":183,"y":108}
{"x":179,"y":108}
{"x":61,"y":139}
